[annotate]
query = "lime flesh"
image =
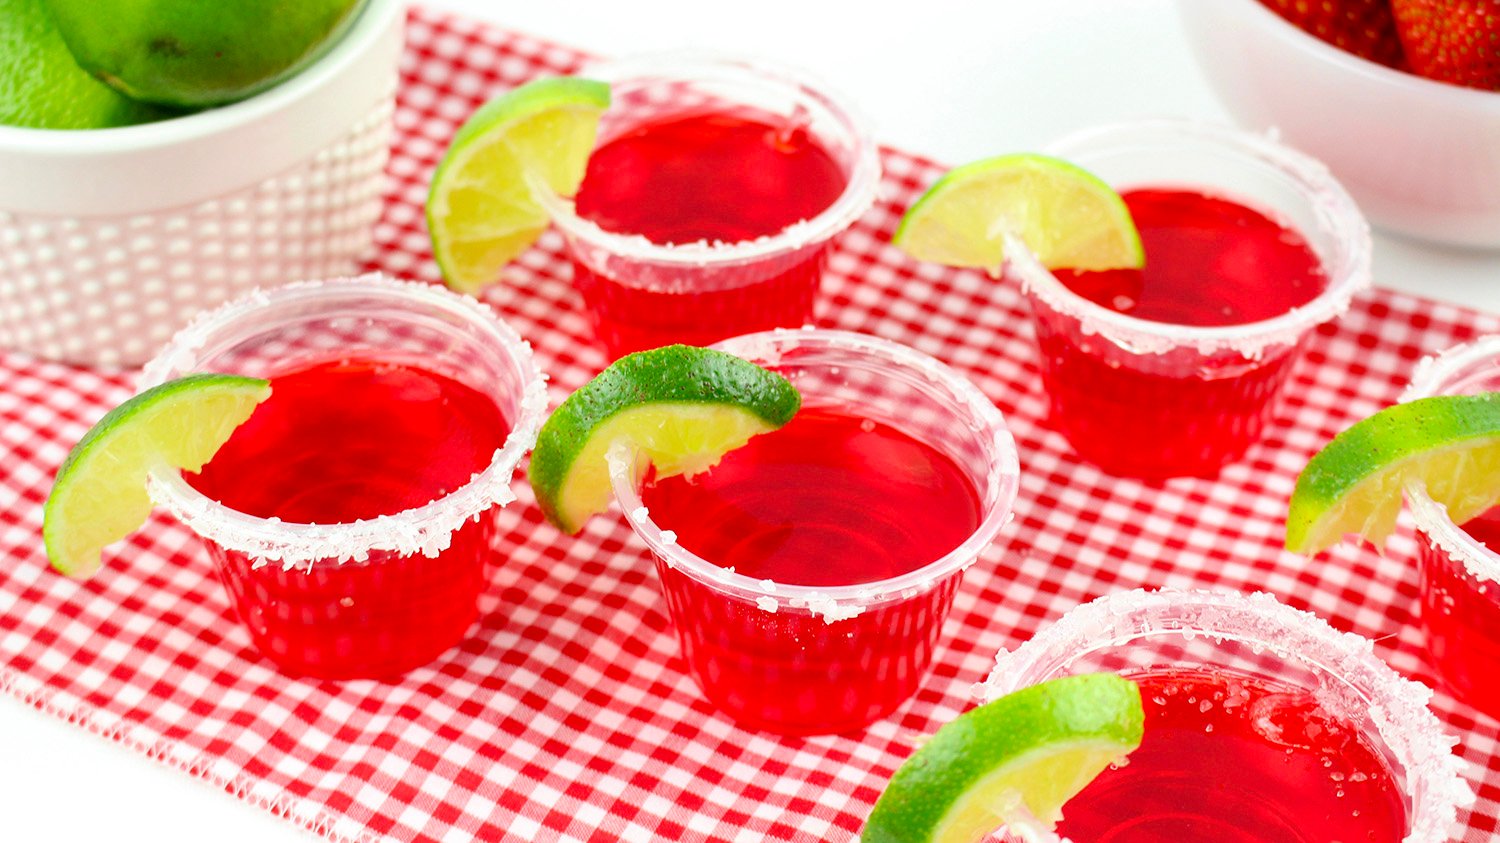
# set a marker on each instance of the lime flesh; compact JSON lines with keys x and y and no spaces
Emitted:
{"x":481,"y":210}
{"x":680,"y":406}
{"x":99,"y":495}
{"x":1065,"y":215}
{"x":1017,"y":758}
{"x":1450,"y":444}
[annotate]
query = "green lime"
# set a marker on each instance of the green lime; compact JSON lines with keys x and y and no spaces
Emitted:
{"x":1017,"y":758}
{"x":100,"y":496}
{"x":193,"y":54}
{"x":42,"y":86}
{"x":1064,"y":214}
{"x":1448,"y":443}
{"x":481,"y":211}
{"x":683,"y":407}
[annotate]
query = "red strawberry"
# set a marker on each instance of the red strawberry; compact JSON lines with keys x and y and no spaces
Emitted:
{"x":1362,"y":27}
{"x":1454,"y":41}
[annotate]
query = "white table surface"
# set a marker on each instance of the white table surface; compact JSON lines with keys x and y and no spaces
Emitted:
{"x":952,"y":79}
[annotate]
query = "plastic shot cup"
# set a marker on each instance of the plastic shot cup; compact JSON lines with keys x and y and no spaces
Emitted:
{"x":1317,"y":673}
{"x":374,"y":597}
{"x":641,"y":294}
{"x":1459,"y":573}
{"x":797,"y":659}
{"x":1153,"y":399}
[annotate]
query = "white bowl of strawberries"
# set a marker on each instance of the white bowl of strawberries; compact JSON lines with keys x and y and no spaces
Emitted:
{"x":1401,"y":98}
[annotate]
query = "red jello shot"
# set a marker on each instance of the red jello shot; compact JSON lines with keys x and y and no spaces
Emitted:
{"x":711,"y":198}
{"x":351,"y":516}
{"x":1263,"y":724}
{"x":809,"y":573}
{"x":1175,"y":369}
{"x":1459,"y":564}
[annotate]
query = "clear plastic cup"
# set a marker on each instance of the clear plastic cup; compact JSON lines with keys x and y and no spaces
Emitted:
{"x":1154,"y":399}
{"x":641,"y":294}
{"x":1258,"y":639}
{"x":1459,"y":573}
{"x":797,"y":659}
{"x":376,"y":597}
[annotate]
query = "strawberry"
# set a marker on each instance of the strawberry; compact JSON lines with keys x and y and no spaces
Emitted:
{"x":1362,"y":27}
{"x":1455,"y":41}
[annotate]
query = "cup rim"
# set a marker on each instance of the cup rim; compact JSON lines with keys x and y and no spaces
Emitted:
{"x":840,"y":602}
{"x":857,"y":197}
{"x":425,"y":529}
{"x":1430,"y":516}
{"x":1335,"y":209}
{"x":1398,"y":707}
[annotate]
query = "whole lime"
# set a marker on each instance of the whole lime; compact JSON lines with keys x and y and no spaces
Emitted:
{"x":42,"y":87}
{"x":194,"y":53}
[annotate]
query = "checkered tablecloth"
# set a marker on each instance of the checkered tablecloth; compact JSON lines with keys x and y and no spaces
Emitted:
{"x":567,"y":713}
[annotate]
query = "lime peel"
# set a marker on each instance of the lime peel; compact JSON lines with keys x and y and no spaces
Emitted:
{"x":680,"y":407}
{"x":42,"y":85}
{"x":1450,"y":444}
{"x":99,"y":495}
{"x":1016,"y":759}
{"x":1064,"y":214}
{"x":482,"y":209}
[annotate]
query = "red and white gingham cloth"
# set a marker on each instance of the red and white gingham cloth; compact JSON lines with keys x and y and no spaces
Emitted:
{"x":567,"y":714}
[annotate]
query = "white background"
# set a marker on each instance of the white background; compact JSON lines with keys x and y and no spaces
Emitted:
{"x":950,"y":79}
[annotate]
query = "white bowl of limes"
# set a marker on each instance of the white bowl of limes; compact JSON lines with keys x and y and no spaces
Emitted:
{"x":111,"y":238}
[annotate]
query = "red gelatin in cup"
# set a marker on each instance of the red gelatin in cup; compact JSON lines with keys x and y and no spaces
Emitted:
{"x":1461,"y":613}
{"x":829,"y":500}
{"x":1210,"y":262}
{"x":349,"y":439}
{"x":1230,"y":758}
{"x":727,"y":177}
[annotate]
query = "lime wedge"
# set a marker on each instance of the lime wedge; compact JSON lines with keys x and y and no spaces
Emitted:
{"x":682,"y":407}
{"x":481,"y":211}
{"x":99,"y":495}
{"x":1448,"y":443}
{"x":1016,"y":759}
{"x":1064,"y":214}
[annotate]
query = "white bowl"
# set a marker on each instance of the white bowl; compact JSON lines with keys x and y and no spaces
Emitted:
{"x":112,"y":239}
{"x":1422,"y":158}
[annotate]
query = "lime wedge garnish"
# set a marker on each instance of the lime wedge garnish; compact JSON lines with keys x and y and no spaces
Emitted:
{"x":1016,"y":759}
{"x":1064,"y":214}
{"x":1448,"y":443}
{"x":481,"y":210}
{"x":100,"y":496}
{"x":682,"y":407}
